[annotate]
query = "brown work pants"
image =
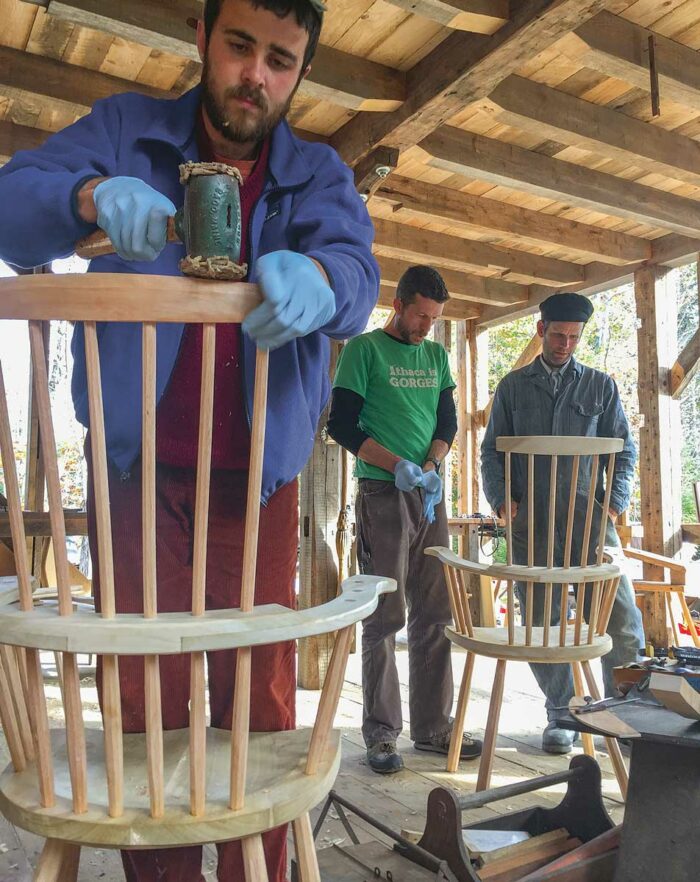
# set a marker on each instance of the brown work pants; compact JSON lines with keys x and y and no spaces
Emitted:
{"x":273,"y":674}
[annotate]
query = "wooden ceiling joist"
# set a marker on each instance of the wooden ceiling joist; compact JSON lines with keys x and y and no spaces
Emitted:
{"x":478,"y":16}
{"x":619,"y":48}
{"x":335,"y":76}
{"x":549,"y":113}
{"x":461,"y":286}
{"x":455,"y":252}
{"x":455,"y":310}
{"x":497,"y":162}
{"x":40,"y":75}
{"x":512,"y":221}
{"x":14,"y":137}
{"x":462,"y":69}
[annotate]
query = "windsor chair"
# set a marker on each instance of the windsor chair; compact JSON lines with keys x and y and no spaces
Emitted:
{"x":558,"y":525}
{"x":93,"y":785}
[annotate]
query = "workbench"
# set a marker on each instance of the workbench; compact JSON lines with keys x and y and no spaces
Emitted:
{"x":660,"y":831}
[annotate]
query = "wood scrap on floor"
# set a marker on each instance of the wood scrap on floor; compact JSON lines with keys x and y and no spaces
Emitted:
{"x":515,"y":861}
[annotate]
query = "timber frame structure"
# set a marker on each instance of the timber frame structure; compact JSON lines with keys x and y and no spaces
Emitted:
{"x":520,"y":146}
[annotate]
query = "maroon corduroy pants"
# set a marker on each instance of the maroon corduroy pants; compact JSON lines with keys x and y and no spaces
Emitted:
{"x":273,"y":672}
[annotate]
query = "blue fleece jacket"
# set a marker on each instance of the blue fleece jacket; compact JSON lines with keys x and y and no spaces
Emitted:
{"x":309,"y":205}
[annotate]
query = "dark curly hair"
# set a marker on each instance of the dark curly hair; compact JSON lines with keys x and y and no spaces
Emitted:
{"x":423,"y":280}
{"x":307,"y":16}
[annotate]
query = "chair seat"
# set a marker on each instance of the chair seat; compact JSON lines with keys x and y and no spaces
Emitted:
{"x":277,"y":791}
{"x":493,"y":642}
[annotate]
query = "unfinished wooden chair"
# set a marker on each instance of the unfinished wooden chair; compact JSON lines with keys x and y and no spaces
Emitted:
{"x":82,"y":784}
{"x":670,"y":587}
{"x":569,"y":469}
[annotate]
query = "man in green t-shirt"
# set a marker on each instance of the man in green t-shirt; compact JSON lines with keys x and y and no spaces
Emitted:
{"x":393,"y":408}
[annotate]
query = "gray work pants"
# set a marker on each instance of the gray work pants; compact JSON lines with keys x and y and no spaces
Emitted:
{"x":391,"y":536}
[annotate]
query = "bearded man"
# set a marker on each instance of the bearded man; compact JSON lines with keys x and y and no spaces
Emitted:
{"x":306,"y":239}
{"x":393,"y":408}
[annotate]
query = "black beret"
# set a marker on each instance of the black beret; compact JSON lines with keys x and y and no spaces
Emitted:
{"x":566,"y":307}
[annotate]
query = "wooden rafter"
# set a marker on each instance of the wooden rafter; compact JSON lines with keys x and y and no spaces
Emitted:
{"x":373,"y":169}
{"x":619,"y":48}
{"x":14,"y":137}
{"x":478,"y":16}
{"x":22,"y":72}
{"x":461,"y":286}
{"x":552,"y":114}
{"x":513,"y":221}
{"x":685,"y":366}
{"x":335,"y":76}
{"x":456,"y":252}
{"x":454,"y":309}
{"x":497,"y":162}
{"x":462,"y":69}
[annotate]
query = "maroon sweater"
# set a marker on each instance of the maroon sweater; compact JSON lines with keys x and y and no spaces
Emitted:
{"x":177,"y":423}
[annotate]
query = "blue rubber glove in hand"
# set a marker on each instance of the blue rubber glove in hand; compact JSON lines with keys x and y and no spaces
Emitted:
{"x":297,"y":299}
{"x":432,"y":484}
{"x":134,"y":216}
{"x":407,"y":475}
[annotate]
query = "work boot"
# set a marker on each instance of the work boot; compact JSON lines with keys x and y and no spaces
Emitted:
{"x":556,"y":740}
{"x":384,"y":759}
{"x":470,"y":748}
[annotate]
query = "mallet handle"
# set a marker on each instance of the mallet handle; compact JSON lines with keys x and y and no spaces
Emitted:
{"x":99,"y":243}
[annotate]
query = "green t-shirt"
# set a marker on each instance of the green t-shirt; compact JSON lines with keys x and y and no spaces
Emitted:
{"x":401,"y":384}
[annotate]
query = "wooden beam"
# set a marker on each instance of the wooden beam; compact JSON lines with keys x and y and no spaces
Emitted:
{"x":691,"y":533}
{"x":373,"y":169}
{"x":335,"y":76}
{"x":461,"y":286}
{"x":503,"y":164}
{"x":458,"y":253}
{"x":551,"y":114}
{"x":22,"y":72}
{"x":686,"y":365}
{"x":667,"y":251}
{"x":512,"y":221}
{"x":659,"y":450}
{"x":456,"y":310}
{"x":478,"y":16}
{"x":462,"y":69}
{"x":620,"y":48}
{"x":14,"y":137}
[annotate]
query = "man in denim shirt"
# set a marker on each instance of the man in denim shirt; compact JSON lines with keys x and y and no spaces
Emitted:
{"x":556,"y":395}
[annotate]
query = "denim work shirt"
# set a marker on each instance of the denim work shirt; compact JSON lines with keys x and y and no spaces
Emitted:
{"x":587,"y":403}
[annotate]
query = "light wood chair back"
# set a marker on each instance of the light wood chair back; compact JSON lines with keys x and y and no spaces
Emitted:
{"x":50,"y":786}
{"x":552,"y":497}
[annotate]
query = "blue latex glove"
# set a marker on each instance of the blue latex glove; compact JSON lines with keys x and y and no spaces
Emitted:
{"x":134,"y":216}
{"x":407,"y":475}
{"x":297,"y":299}
{"x":432,"y":484}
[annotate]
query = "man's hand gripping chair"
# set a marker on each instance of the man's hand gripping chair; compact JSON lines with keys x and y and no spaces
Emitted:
{"x":91,"y":784}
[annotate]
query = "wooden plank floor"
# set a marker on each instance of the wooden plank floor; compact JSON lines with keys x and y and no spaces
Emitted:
{"x":397,"y":800}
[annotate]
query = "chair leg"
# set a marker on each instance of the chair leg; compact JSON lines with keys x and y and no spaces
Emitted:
{"x":586,"y":737}
{"x":484,"y":778}
{"x":58,"y":862}
{"x":674,"y":626}
{"x":458,"y":725}
{"x":613,"y":747}
{"x":689,"y":620}
{"x":254,"y":866}
{"x":307,"y":862}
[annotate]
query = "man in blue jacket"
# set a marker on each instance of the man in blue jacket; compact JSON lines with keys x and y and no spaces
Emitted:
{"x":307,"y":242}
{"x":557,"y":395}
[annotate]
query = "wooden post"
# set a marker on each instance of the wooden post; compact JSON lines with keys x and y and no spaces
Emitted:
{"x":318,"y":560}
{"x":478,"y":375}
{"x":659,"y":455}
{"x":464,"y":425}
